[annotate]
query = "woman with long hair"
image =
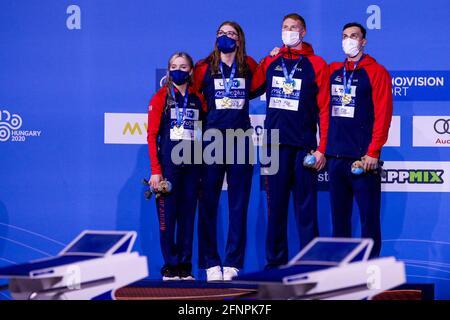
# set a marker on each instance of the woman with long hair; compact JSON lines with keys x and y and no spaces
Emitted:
{"x":224,"y":79}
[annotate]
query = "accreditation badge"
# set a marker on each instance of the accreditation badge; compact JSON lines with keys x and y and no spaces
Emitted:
{"x":343,"y":111}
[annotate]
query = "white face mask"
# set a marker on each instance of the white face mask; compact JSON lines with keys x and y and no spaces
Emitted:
{"x":291,"y":38}
{"x":351,"y":47}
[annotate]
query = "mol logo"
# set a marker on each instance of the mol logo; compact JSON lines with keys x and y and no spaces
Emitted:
{"x":125,"y":128}
{"x":416,"y":176}
{"x":135,"y":128}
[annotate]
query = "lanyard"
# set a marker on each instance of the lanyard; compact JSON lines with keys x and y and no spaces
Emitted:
{"x":288,"y":77}
{"x":180,"y":115}
{"x":228,"y":84}
{"x":348,"y":85}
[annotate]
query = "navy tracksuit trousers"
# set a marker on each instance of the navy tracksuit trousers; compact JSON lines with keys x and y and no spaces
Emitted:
{"x":366,"y":189}
{"x":239,"y":180}
{"x":302,"y":182}
{"x":176,"y":213}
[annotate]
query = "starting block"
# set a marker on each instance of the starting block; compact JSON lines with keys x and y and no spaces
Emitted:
{"x":330,"y":269}
{"x":93,"y":266}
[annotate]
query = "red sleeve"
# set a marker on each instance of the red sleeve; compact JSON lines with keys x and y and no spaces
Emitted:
{"x":259,"y":76}
{"x":252,"y":65}
{"x":382,"y":101}
{"x":334,"y":66}
{"x":323,"y":98}
{"x":155,"y":111}
{"x":199,"y":74}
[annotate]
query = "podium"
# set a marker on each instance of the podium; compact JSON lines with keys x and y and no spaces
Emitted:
{"x":93,"y":266}
{"x":329,"y":268}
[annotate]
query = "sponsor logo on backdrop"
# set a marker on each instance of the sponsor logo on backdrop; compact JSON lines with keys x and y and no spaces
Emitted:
{"x":442,"y":126}
{"x":420,"y":85}
{"x":416,"y":176}
{"x":11,"y":128}
{"x":407,"y":176}
{"x":431,"y":131}
{"x":126,"y":128}
{"x":131,"y":128}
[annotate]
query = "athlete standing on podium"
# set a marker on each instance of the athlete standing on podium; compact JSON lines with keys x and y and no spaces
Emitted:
{"x":361,"y":113}
{"x":171,"y":116}
{"x":296,"y":83}
{"x":224,"y":78}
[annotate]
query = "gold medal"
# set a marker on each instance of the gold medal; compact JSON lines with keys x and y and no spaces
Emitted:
{"x":288,"y":87}
{"x":346,"y":98}
{"x":178,"y":130}
{"x":226,"y":102}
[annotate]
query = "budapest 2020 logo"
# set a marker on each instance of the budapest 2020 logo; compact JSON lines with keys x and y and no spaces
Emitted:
{"x":10,"y":125}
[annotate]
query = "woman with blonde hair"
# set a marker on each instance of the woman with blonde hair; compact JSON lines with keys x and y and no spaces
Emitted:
{"x":172,"y":114}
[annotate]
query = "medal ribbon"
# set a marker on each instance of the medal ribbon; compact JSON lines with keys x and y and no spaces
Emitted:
{"x":348,"y":85}
{"x":228,"y":84}
{"x":182,"y":114}
{"x":288,"y":77}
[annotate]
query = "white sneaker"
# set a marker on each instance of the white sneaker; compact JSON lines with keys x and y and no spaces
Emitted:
{"x":214,"y":274}
{"x":229,"y":273}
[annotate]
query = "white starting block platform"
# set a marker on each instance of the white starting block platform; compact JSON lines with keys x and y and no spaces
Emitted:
{"x":329,"y":268}
{"x":93,"y":266}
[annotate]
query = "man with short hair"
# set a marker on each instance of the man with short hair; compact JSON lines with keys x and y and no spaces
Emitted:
{"x":360,"y":116}
{"x":296,"y":83}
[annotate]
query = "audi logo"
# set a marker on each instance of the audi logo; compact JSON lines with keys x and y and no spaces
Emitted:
{"x":442,"y":126}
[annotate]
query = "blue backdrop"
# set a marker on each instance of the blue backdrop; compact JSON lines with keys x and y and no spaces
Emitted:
{"x":76,"y":77}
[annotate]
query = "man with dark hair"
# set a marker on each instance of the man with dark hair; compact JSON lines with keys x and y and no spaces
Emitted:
{"x":358,"y":25}
{"x":360,"y":116}
{"x":296,"y":83}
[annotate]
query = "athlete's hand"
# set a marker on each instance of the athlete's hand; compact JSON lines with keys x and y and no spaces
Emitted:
{"x":274,"y":51}
{"x":369,"y":163}
{"x":320,"y":160}
{"x":155,"y":179}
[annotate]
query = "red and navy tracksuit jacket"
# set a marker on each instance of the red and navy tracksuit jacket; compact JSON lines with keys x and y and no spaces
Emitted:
{"x":296,"y":116}
{"x":239,"y":176}
{"x":357,"y":129}
{"x":212,"y":87}
{"x":176,"y":210}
